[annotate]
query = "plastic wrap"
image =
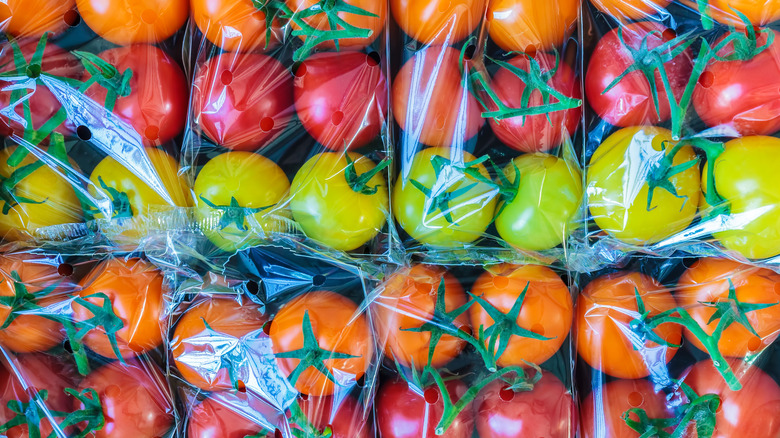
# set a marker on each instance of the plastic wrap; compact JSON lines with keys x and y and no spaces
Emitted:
{"x":679,"y":347}
{"x":682,"y":120}
{"x":486,"y":98}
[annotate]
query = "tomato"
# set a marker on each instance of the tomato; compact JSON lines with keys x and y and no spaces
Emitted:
{"x":626,"y":10}
{"x":341,"y":99}
{"x":752,"y":411}
{"x":605,"y":310}
{"x":134,"y":289}
{"x":458,"y":208}
{"x":346,"y":418}
{"x":42,"y":199}
{"x":237,"y":196}
{"x":325,"y":21}
{"x":135,"y":398}
{"x":157,"y":104}
{"x":742,"y":96}
{"x":707,"y":281}
{"x":758,"y":13}
{"x":531,"y":25}
{"x":545,"y":411}
{"x":126,"y":22}
{"x":742,"y":174}
{"x":630,"y":102}
{"x":242,"y":101}
{"x":36,"y":373}
{"x":437,"y":22}
{"x":540,"y":132}
{"x":402,"y":412}
{"x":601,"y":412}
{"x":331,"y":209}
{"x":546,"y":208}
{"x":430,"y":100}
{"x":220,"y":418}
{"x":617,"y":186}
{"x":205,"y":324}
{"x":234,"y":25}
{"x":546,"y":310}
{"x":408,"y":302}
{"x":29,"y":332}
{"x":32,"y":18}
{"x":337,"y":327}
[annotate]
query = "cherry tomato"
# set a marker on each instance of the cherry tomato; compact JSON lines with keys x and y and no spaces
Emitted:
{"x":245,"y":181}
{"x":157,"y":104}
{"x":437,"y":22}
{"x":546,"y":310}
{"x":234,"y":25}
{"x":617,"y":186}
{"x":630,"y":102}
{"x":402,"y":412}
{"x":134,"y":289}
{"x":443,"y":207}
{"x":32,"y":18}
{"x":341,"y":99}
{"x":346,"y":418}
{"x":547,"y":410}
{"x":545,"y":210}
{"x":126,"y":22}
{"x":605,"y":310}
{"x":38,"y":373}
{"x":135,"y":398}
{"x":540,"y":132}
{"x":332,"y":208}
{"x":531,"y":25}
{"x":430,"y":101}
{"x":337,"y":327}
{"x":707,"y":281}
{"x":199,"y":327}
{"x":242,"y":101}
{"x":408,"y":302}
{"x":758,"y":13}
{"x":601,"y":414}
{"x":321,"y":21}
{"x":222,"y":418}
{"x":752,"y":411}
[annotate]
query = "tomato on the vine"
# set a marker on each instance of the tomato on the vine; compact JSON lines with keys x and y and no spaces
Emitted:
{"x":531,"y":25}
{"x":126,"y":22}
{"x":235,"y":25}
{"x":32,"y":18}
{"x":367,"y":15}
{"x":626,"y":10}
{"x":602,"y":410}
{"x":438,"y":22}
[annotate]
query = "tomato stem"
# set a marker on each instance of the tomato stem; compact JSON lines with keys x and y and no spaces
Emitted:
{"x":22,"y":300}
{"x":661,"y":172}
{"x":233,"y":214}
{"x":699,"y":410}
{"x":8,"y":187}
{"x":102,"y":316}
{"x":359,"y":183}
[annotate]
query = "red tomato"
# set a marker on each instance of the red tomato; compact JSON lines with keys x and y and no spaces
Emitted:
{"x":753,"y":411}
{"x":401,"y":412}
{"x":157,"y":104}
{"x":347,"y":419}
{"x":437,"y":22}
{"x":126,"y":22}
{"x":545,"y":411}
{"x":538,"y":132}
{"x":630,"y":102}
{"x":742,"y":95}
{"x":243,"y":101}
{"x":38,"y":372}
{"x":430,"y":99}
{"x":135,"y":398}
{"x":32,"y":18}
{"x":234,"y":25}
{"x":214,"y":418}
{"x":321,"y":21}
{"x":531,"y":25}
{"x":601,"y":412}
{"x":341,"y":98}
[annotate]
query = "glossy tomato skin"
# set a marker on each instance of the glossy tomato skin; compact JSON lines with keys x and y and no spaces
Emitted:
{"x":708,"y":281}
{"x":243,"y":101}
{"x":126,"y":22}
{"x":601,"y":412}
{"x":346,"y":418}
{"x":135,"y":289}
{"x":438,"y":22}
{"x":408,"y":301}
{"x":630,"y":102}
{"x":338,"y":327}
{"x":758,"y":13}
{"x":628,"y":10}
{"x":42,"y":372}
{"x":605,"y":310}
{"x":234,"y":25}
{"x":540,"y":132}
{"x":531,"y":25}
{"x":214,"y":419}
{"x":375,"y":23}
{"x":743,"y":96}
{"x":231,"y":318}
{"x":547,"y":309}
{"x":547,"y":410}
{"x":401,"y":412}
{"x":450,"y":114}
{"x":157,"y":105}
{"x":341,"y":98}
{"x":32,"y":18}
{"x":135,"y":398}
{"x":753,"y":411}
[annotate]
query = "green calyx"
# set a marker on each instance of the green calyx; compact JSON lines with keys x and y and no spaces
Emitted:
{"x":103,"y":320}
{"x":699,"y":411}
{"x":30,"y":414}
{"x":234,"y":214}
{"x":107,"y":76}
{"x":22,"y":299}
{"x":8,"y":187}
{"x":359,"y":183}
{"x":120,"y":202}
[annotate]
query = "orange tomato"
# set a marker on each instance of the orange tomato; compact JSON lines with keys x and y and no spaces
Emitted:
{"x":126,"y":22}
{"x":531,"y":25}
{"x":438,"y":21}
{"x":320,"y":21}
{"x":626,"y":10}
{"x":32,"y":18}
{"x":234,"y":25}
{"x":758,"y":12}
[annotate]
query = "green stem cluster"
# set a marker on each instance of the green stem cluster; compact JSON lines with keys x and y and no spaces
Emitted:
{"x":89,"y":418}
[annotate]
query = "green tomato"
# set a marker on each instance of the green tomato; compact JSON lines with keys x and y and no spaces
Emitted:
{"x":340,"y":202}
{"x":543,"y":213}
{"x":238,"y":198}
